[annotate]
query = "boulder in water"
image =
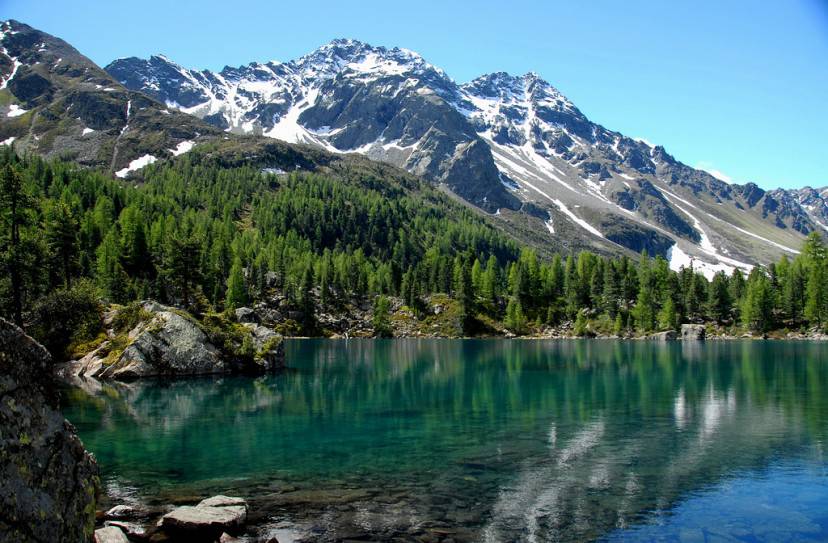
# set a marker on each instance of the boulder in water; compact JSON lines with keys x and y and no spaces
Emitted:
{"x":693,"y":332}
{"x":212,"y":516}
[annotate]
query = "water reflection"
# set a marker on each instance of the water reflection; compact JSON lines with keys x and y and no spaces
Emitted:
{"x":496,"y":440}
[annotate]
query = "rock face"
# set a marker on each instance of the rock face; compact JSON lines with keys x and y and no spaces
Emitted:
{"x":212,"y":516}
{"x":49,"y":482}
{"x":692,"y":332}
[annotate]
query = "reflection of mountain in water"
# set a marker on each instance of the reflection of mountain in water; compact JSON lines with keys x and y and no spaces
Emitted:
{"x":511,"y":440}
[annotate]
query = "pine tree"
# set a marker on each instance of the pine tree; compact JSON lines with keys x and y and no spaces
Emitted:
{"x":612,"y":290}
{"x":380,"y":318}
{"x":181,"y":266}
{"x":133,"y":242}
{"x":16,"y":205}
{"x":757,"y":306}
{"x":719,"y":303}
{"x":477,"y":278}
{"x":515,"y":318}
{"x":793,"y":292}
{"x":816,"y":293}
{"x":490,"y":280}
{"x":61,"y":231}
{"x":668,"y":318}
{"x":645,"y":308}
{"x":236,"y":295}
{"x":110,"y":274}
{"x":463,"y":292}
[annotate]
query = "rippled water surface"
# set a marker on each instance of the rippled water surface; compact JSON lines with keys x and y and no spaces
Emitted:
{"x":488,"y":440}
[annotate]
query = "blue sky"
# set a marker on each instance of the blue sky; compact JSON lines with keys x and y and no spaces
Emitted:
{"x":737,"y":86}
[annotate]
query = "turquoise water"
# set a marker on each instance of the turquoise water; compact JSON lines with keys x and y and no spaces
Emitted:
{"x":488,"y":440}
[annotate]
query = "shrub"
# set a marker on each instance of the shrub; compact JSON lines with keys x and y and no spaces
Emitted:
{"x":129,"y":316}
{"x":65,"y":317}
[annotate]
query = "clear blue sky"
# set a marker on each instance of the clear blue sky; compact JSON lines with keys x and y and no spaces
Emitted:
{"x":738,"y":86}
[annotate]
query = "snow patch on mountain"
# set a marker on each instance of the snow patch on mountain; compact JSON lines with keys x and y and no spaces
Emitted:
{"x":136,"y":164}
{"x":579,"y":221}
{"x":182,"y":147}
{"x":16,"y":64}
{"x":679,"y":259}
{"x":15,"y":111}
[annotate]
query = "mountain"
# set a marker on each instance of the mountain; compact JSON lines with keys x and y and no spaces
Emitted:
{"x":502,"y":142}
{"x":513,"y":146}
{"x":57,"y":103}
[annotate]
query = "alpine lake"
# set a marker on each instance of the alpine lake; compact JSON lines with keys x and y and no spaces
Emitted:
{"x":486,"y":440}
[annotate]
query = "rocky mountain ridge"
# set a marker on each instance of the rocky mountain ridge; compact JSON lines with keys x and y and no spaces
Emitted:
{"x":57,"y":103}
{"x":514,"y":146}
{"x":499,"y":141}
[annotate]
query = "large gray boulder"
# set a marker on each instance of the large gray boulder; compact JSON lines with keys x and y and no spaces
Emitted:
{"x":169,"y":343}
{"x":48,"y":482}
{"x":246,"y":314}
{"x":212,"y":516}
{"x":692,"y":332}
{"x":669,"y":335}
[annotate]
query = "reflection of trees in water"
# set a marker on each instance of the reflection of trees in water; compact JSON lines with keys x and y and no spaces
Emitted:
{"x":573,"y":437}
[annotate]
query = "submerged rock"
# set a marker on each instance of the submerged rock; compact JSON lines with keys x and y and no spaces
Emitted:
{"x":49,"y":482}
{"x":693,"y":332}
{"x":212,"y":516}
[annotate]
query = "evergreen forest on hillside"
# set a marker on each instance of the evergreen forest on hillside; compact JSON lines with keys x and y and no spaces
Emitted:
{"x":210,"y":238}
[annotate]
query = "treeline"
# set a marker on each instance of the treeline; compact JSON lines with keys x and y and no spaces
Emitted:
{"x":207,"y":238}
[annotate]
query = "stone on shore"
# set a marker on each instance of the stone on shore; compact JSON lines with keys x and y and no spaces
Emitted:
{"x":222,"y":501}
{"x":126,"y":512}
{"x":693,"y":332}
{"x":213,"y":515}
{"x":110,"y":534}
{"x":131,"y":529}
{"x":669,"y":335}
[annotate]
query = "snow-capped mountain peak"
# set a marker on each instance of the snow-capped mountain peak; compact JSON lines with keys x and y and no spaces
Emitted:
{"x":499,"y":141}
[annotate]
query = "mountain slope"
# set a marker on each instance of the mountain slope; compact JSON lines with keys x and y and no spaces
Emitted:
{"x":57,"y":103}
{"x":501,"y":142}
